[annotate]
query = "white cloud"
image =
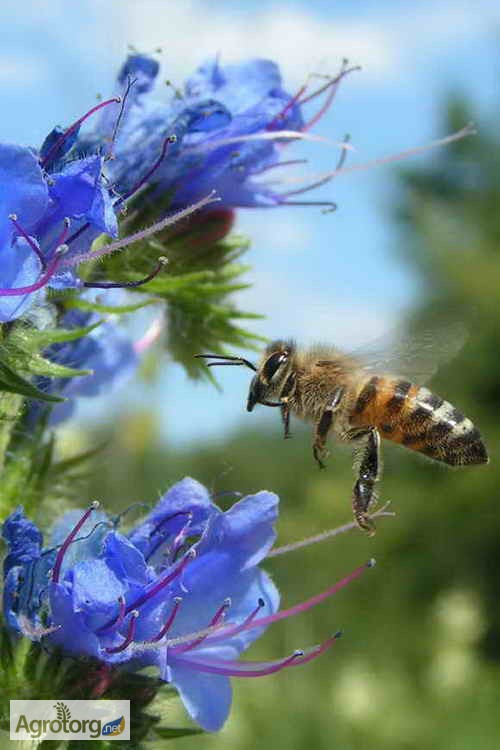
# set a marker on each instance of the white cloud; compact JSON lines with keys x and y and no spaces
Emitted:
{"x":16,"y":71}
{"x":383,"y":42}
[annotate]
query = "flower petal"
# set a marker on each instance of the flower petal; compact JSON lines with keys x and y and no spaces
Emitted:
{"x":207,"y":697}
{"x":246,"y":530}
{"x":24,"y":540}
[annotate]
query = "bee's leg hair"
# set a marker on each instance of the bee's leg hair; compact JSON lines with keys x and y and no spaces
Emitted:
{"x":323,"y":427}
{"x":368,"y":468}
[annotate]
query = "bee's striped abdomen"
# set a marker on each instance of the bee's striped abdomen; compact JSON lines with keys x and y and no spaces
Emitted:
{"x":420,"y":420}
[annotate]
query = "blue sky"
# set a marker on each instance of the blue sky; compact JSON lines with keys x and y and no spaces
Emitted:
{"x":334,"y":277}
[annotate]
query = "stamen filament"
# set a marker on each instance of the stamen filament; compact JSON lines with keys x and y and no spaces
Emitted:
{"x":242,"y":669}
{"x":43,"y":279}
{"x":164,"y":630}
{"x":143,"y":234}
{"x":130,"y":82}
{"x":228,"y":632}
{"x":159,"y":585}
{"x":129,"y":637}
{"x":170,"y":139}
{"x":162,"y":261}
{"x":29,"y":240}
{"x":69,"y":539}
{"x":69,"y":131}
{"x":118,"y":619}
{"x":216,"y":619}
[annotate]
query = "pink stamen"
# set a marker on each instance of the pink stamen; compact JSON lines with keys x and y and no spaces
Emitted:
{"x":216,"y":619}
{"x":333,"y":85}
{"x":181,"y":537}
{"x":64,"y":234}
{"x":162,"y":262}
{"x":291,"y":611}
{"x":469,"y":129}
{"x":43,"y":279}
{"x":328,"y":206}
{"x":118,"y":619}
{"x":157,"y":528}
{"x":159,"y":585}
{"x":289,"y":163}
{"x":170,"y":621}
{"x":159,"y":226}
{"x":29,"y":240}
{"x":69,"y":539}
{"x":242,"y":669}
{"x":128,"y":638}
{"x":69,"y":131}
{"x":130,"y":82}
{"x":169,"y":140}
{"x":235,"y":668}
{"x":293,"y":101}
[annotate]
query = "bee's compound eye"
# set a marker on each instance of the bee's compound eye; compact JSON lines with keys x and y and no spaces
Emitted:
{"x":273,"y":363}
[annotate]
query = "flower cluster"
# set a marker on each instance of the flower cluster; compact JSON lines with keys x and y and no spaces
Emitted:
{"x":213,"y":141}
{"x":182,"y":592}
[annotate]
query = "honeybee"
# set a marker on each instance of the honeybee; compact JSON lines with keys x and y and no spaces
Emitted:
{"x":356,"y":398}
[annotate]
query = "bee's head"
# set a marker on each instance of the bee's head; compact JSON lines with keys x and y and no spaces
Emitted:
{"x":271,"y":374}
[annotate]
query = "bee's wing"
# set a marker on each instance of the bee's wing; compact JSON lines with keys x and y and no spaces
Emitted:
{"x":415,"y":357}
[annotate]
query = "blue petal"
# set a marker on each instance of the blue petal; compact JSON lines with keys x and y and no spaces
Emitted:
{"x":65,"y":146}
{"x":19,"y":267}
{"x":96,"y":590}
{"x":141,"y":68}
{"x":210,"y":580}
{"x":89,"y":541}
{"x":187,"y":496}
{"x":207,"y":697}
{"x":23,"y":190}
{"x":239,"y":86}
{"x":73,"y":635}
{"x":246,"y":530}
{"x":125,"y":560}
{"x":24,"y":540}
{"x":78,"y":193}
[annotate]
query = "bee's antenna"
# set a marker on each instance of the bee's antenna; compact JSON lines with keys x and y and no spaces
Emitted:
{"x":226,"y":361}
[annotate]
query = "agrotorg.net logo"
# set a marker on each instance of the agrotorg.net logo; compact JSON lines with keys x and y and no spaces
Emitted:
{"x":85,"y":720}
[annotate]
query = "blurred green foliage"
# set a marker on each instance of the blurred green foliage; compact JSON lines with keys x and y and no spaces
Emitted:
{"x":419,"y":667}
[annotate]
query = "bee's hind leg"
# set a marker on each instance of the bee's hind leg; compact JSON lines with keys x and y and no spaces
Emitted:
{"x":368,"y":468}
{"x":323,"y":427}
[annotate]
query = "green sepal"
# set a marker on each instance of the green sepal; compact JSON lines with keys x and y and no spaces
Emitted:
{"x":12,"y":382}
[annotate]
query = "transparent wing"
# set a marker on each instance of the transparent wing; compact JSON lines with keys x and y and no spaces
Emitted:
{"x":415,"y":357}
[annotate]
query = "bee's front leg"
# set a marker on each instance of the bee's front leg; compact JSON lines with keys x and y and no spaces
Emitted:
{"x":368,"y":469}
{"x":323,"y":427}
{"x":285,"y":416}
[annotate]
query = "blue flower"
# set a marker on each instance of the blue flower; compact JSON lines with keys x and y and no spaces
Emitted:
{"x":183,"y":592}
{"x":36,"y":210}
{"x":107,"y":352}
{"x":226,"y":130}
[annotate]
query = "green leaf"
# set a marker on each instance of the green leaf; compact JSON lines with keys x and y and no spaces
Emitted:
{"x":11,"y":382}
{"x":173,"y":733}
{"x":82,"y":304}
